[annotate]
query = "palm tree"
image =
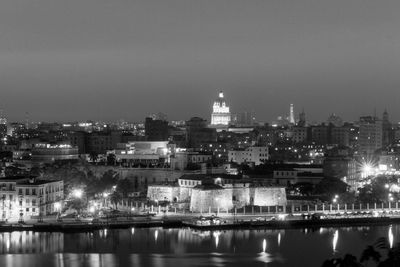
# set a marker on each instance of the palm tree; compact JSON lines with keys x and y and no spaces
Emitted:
{"x":370,"y":254}
{"x":111,"y":159}
{"x":115,"y":198}
{"x":93,"y":156}
{"x":393,"y":254}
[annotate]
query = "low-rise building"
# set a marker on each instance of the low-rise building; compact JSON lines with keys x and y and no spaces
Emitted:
{"x":47,"y":153}
{"x":293,"y":175}
{"x":254,"y":154}
{"x":25,"y":197}
{"x":183,"y":160}
{"x":143,"y":152}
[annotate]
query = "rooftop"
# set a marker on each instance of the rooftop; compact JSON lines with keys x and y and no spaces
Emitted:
{"x":38,"y":182}
{"x":209,"y":176}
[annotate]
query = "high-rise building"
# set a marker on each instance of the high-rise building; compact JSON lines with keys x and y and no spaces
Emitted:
{"x":388,"y":132}
{"x":198,"y":133}
{"x":221,"y":114}
{"x":370,"y":134}
{"x":302,"y":119}
{"x":156,"y":130}
{"x":3,"y":124}
{"x":291,"y":115}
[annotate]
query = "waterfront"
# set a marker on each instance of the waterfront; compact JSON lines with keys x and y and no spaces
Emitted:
{"x":174,"y":247}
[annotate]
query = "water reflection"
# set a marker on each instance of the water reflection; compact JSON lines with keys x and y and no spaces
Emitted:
{"x":390,"y":237}
{"x":174,"y":247}
{"x":335,"y":240}
{"x":156,"y":235}
{"x":264,"y":245}
{"x":279,"y":239}
{"x":216,"y":237}
{"x":31,"y":242}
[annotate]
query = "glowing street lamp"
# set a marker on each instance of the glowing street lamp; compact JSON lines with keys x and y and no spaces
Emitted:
{"x":78,"y":193}
{"x":366,"y":170}
{"x":335,"y":199}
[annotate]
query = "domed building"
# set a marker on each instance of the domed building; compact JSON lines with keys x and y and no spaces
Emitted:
{"x":221,"y":114}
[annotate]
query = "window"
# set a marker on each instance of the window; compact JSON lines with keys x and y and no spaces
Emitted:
{"x":20,"y":203}
{"x":33,"y":202}
{"x":33,"y":210}
{"x":20,"y":191}
{"x":34,"y":192}
{"x":27,"y":209}
{"x":27,"y":191}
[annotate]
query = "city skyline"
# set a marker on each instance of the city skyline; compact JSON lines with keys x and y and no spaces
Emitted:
{"x":101,"y":61}
{"x":283,"y":115}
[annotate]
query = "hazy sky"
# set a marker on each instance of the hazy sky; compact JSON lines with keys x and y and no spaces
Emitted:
{"x":112,"y":59}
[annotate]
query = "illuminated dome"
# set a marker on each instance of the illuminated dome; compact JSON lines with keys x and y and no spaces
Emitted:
{"x":221,"y":114}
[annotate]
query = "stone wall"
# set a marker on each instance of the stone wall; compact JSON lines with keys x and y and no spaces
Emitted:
{"x":268,"y":196}
{"x":185,"y":194}
{"x":203,"y":199}
{"x":240,"y":196}
{"x":163,"y":193}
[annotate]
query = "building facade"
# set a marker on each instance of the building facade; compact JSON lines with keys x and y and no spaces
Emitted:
{"x":220,"y":114}
{"x":370,"y":135}
{"x":24,"y":198}
{"x":253,"y":154}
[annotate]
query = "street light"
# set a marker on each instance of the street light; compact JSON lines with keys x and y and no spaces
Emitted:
{"x":78,"y":193}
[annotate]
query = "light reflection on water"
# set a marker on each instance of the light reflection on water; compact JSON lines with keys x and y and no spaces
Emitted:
{"x":390,"y":237}
{"x":174,"y":247}
{"x":335,"y":240}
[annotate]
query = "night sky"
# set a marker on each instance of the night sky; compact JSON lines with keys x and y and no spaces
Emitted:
{"x":112,"y":59}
